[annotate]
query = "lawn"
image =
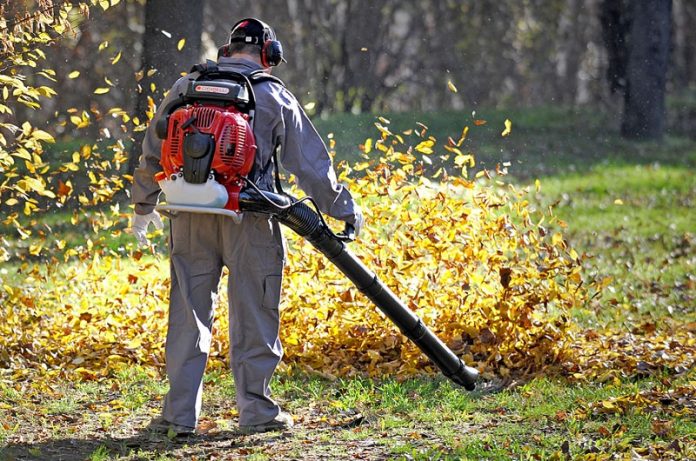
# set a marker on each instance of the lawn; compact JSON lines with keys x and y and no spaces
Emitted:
{"x":631,"y":395}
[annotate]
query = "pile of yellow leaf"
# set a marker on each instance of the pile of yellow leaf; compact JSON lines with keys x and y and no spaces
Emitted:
{"x":468,"y":256}
{"x":611,"y":355}
{"x":661,"y":404}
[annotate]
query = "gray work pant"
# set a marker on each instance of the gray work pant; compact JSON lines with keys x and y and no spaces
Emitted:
{"x":253,"y":252}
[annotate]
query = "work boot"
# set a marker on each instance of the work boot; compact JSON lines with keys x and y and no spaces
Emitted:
{"x":281,"y":422}
{"x":160,"y":425}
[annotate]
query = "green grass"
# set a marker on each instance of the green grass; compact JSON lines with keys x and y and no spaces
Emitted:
{"x":421,"y":418}
{"x":636,"y":223}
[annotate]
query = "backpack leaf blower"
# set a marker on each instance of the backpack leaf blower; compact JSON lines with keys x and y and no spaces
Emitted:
{"x":207,"y":152}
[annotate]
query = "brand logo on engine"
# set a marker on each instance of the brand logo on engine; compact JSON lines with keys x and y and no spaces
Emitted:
{"x":212,"y":89}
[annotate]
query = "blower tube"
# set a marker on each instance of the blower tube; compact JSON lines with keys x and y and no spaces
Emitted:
{"x":308,"y":224}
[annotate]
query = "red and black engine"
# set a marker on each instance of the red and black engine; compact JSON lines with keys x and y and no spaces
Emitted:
{"x":207,"y":141}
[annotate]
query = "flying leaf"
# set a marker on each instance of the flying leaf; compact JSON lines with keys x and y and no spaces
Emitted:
{"x":367,"y":147}
{"x":465,"y":132}
{"x":180,"y":45}
{"x":116,"y":58}
{"x":43,"y":136}
{"x":101,"y":91}
{"x":508,"y":128}
{"x":64,"y":188}
{"x":74,"y":74}
{"x":451,"y":86}
{"x":425,"y":147}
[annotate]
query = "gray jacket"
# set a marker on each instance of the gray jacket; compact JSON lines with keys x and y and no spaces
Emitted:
{"x":279,"y":120}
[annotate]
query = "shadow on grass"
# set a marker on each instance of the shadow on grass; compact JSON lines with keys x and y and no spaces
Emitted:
{"x":143,"y":445}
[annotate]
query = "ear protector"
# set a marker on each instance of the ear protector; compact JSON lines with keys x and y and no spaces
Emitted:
{"x":257,"y":32}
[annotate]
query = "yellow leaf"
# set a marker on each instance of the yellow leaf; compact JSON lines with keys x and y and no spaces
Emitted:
{"x":465,"y":159}
{"x":618,"y":201}
{"x":425,"y":147}
{"x":116,"y":58}
{"x":101,"y":91}
{"x":465,"y":131}
{"x":508,"y":128}
{"x":35,"y":249}
{"x":180,"y":45}
{"x":557,"y":239}
{"x":74,"y":74}
{"x":367,"y":147}
{"x":451,"y":86}
{"x":43,"y":136}
{"x":384,"y":130}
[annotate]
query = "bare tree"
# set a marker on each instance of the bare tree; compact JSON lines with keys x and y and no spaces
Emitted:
{"x":646,"y":70}
{"x":637,"y":36}
{"x":171,"y":45}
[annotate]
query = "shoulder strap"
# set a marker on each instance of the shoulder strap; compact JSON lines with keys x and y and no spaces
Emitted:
{"x":205,"y":67}
{"x":254,"y":76}
{"x":258,"y":76}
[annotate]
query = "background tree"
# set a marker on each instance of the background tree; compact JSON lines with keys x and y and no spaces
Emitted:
{"x":637,"y":36}
{"x":171,"y":45}
{"x":646,"y":69}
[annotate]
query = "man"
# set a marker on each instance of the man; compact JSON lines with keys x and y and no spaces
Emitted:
{"x":253,"y":250}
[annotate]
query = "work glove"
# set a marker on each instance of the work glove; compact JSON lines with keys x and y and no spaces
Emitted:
{"x":359,"y":220}
{"x":140,"y":224}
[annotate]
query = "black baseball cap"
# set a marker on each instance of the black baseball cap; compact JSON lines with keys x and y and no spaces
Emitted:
{"x":252,"y":31}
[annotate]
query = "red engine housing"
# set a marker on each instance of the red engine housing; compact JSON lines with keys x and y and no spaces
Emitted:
{"x":235,"y":145}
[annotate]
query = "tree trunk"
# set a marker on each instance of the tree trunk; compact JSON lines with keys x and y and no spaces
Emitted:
{"x":646,"y":69}
{"x":616,"y":24}
{"x":167,"y":22}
